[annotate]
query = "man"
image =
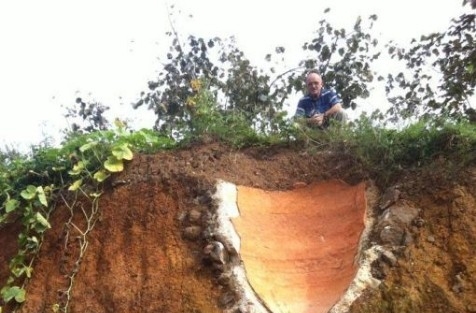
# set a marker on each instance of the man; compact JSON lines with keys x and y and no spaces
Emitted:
{"x":320,"y":104}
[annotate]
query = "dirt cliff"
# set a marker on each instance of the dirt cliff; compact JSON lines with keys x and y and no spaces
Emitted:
{"x":145,"y":250}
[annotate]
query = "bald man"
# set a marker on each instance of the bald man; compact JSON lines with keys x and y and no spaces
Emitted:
{"x":320,"y":104}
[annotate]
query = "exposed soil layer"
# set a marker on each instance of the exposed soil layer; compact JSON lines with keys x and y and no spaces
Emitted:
{"x":299,"y":246}
{"x":145,"y":251}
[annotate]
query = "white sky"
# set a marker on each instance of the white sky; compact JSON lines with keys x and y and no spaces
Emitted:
{"x":51,"y":51}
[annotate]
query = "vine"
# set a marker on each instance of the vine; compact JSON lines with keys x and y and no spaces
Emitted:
{"x":33,"y":203}
{"x":113,"y":163}
{"x":99,"y":155}
{"x":90,"y":219}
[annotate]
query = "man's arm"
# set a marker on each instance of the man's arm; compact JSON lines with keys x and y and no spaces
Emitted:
{"x":333,"y":110}
{"x":300,"y":111}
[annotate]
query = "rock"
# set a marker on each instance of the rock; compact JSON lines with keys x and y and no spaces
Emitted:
{"x":388,"y":257}
{"x":457,"y":288}
{"x":230,"y":249}
{"x":192,"y":232}
{"x":194,"y":215}
{"x":224,"y":279}
{"x":392,"y":235}
{"x":390,"y":196}
{"x":407,"y":238}
{"x":227,"y":299}
{"x":216,"y":251}
{"x":299,"y":184}
{"x":402,"y":213}
{"x":419,"y":222}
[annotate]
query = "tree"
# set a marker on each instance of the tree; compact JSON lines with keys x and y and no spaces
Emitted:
{"x":442,"y":73}
{"x":242,"y":88}
{"x":343,"y":58}
{"x":238,"y":85}
{"x":90,"y":115}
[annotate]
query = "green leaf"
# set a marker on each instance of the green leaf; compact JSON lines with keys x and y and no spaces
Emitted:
{"x":470,"y":68}
{"x":29,"y":193}
{"x":119,"y":124}
{"x":42,"y":220}
{"x":32,"y":242}
{"x":11,"y":205}
{"x":28,"y":271}
{"x":14,"y":292}
{"x":95,"y":194}
{"x":122,"y":152}
{"x":147,"y":137}
{"x":101,"y":176}
{"x":325,"y":53}
{"x":88,"y":146}
{"x":42,"y":196}
{"x":77,"y":168}
{"x":20,"y":295}
{"x":112,"y":164}
{"x":76,"y":185}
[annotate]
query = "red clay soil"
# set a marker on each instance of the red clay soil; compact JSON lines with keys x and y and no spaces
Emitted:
{"x":145,"y":252}
{"x":299,"y":247}
{"x":136,"y":261}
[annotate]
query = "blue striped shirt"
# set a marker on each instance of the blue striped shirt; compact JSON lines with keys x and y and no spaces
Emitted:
{"x":308,"y":106}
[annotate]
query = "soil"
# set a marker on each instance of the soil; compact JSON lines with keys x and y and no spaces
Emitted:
{"x":143,"y":250}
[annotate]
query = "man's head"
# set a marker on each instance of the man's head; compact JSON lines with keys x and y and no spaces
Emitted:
{"x":314,"y":83}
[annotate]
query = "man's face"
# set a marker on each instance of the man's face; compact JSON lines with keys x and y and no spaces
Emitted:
{"x":314,"y":84}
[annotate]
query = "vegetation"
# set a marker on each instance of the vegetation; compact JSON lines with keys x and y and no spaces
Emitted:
{"x":33,"y":185}
{"x":198,"y":98}
{"x":450,"y":55}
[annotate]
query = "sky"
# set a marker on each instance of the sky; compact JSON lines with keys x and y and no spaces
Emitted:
{"x":52,"y":51}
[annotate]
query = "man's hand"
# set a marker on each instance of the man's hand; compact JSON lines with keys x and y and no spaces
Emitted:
{"x":316,"y":119}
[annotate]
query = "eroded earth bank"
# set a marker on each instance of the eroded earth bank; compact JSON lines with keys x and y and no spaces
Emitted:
{"x":156,"y":244}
